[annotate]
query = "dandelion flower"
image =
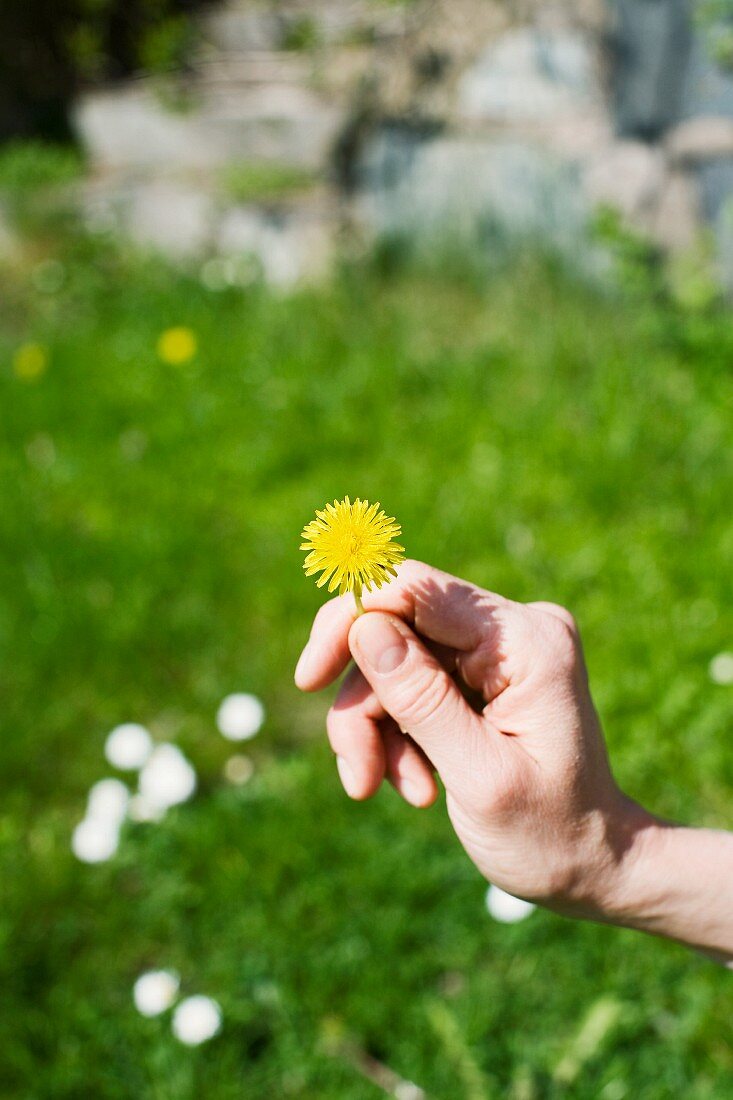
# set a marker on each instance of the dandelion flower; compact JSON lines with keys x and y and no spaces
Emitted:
{"x":196,"y":1019}
{"x":128,"y":746}
{"x":240,"y":716}
{"x":721,"y":668}
{"x":167,"y":778}
{"x":155,"y":991}
{"x":95,"y":840}
{"x":177,"y":345}
{"x":505,"y":907}
{"x":30,"y":362}
{"x":351,"y":546}
{"x":108,"y":801}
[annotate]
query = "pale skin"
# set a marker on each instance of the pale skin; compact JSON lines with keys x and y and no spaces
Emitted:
{"x":493,"y":696}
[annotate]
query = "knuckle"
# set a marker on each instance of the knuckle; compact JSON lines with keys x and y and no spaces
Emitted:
{"x":564,"y":615}
{"x":421,"y":697}
{"x":559,"y":644}
{"x":557,"y":611}
{"x":563,"y":636}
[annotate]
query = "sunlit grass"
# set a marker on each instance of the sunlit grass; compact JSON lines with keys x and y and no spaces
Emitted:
{"x":531,"y":435}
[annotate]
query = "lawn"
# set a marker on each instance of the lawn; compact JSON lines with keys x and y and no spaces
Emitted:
{"x":535,"y":435}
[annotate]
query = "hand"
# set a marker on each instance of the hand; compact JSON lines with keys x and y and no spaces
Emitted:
{"x":529,"y":788}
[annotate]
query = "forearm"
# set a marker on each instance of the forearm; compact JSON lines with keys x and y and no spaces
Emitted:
{"x":676,"y":882}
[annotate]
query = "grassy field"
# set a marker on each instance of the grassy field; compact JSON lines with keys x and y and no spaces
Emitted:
{"x":531,"y":435}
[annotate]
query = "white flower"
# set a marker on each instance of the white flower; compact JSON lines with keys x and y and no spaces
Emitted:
{"x":721,"y":669}
{"x":196,"y":1019}
{"x":408,"y":1090}
{"x":238,"y":769}
{"x":240,"y":716}
{"x":167,"y":778}
{"x":95,"y":840}
{"x":505,"y":907}
{"x":107,"y":802}
{"x":128,"y":746}
{"x":155,"y":991}
{"x":143,"y":811}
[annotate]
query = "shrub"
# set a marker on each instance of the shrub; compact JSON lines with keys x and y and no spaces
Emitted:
{"x":48,"y":48}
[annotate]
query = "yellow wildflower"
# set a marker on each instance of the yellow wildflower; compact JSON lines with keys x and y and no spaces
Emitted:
{"x":351,"y":546}
{"x":30,"y":362}
{"x":177,"y":345}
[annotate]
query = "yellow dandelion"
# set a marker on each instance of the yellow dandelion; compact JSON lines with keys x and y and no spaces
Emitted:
{"x":30,"y":362}
{"x":351,"y":546}
{"x":177,"y":345}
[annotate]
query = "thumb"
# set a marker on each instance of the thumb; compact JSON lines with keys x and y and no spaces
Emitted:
{"x":414,"y":688}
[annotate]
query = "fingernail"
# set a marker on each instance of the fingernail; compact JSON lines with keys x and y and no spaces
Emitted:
{"x":347,"y":777}
{"x":380,"y":644}
{"x":301,"y":669}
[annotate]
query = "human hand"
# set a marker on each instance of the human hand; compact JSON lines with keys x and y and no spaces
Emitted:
{"x":529,"y":788}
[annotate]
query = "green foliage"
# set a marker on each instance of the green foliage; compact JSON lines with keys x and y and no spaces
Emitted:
{"x":30,"y":166}
{"x":301,"y":34}
{"x":34,"y":176}
{"x":48,"y":50}
{"x":533,"y":434}
{"x":636,"y":261}
{"x":714,"y":18}
{"x":693,"y":277}
{"x":254,"y":181}
{"x":166,"y":45}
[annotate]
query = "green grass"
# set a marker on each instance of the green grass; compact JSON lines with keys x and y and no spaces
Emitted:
{"x":29,"y":166}
{"x":257,"y":181}
{"x":530,"y":435}
{"x":35,"y":177}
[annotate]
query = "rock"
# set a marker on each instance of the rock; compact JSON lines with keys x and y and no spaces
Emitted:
{"x":291,"y":245}
{"x":164,"y":214}
{"x":470,"y":190}
{"x":715,"y":182}
{"x":245,"y":26}
{"x":172,"y":217}
{"x":708,"y":92}
{"x":267,"y":118}
{"x":284,"y":121}
{"x":579,"y":136}
{"x":651,"y":46}
{"x":708,"y":87}
{"x":240,"y":28}
{"x":724,"y":244}
{"x":128,"y":127}
{"x":529,"y":76}
{"x":630,"y":177}
{"x":698,"y":139}
{"x":676,"y":220}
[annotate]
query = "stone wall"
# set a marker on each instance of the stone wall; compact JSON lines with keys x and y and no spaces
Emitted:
{"x":432,"y":117}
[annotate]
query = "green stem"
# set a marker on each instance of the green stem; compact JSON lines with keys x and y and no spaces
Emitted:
{"x":359,"y":604}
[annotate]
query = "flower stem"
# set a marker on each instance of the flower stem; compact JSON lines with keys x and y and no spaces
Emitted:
{"x":359,"y":604}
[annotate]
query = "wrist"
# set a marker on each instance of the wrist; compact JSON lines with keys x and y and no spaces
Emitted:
{"x":634,"y":839}
{"x":672,"y":881}
{"x":600,"y":884}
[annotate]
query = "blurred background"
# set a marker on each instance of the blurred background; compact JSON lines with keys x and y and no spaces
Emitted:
{"x":469,"y":258}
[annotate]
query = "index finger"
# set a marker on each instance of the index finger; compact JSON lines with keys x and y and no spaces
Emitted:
{"x":442,"y":608}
